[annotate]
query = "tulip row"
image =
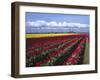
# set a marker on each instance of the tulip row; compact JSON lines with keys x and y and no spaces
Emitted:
{"x":56,"y":51}
{"x":44,"y":55}
{"x":33,"y":43}
{"x":38,"y":45}
{"x":55,"y":45}
{"x":57,"y":57}
{"x":75,"y":56}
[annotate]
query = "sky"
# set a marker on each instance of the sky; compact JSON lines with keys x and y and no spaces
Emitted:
{"x":54,"y":22}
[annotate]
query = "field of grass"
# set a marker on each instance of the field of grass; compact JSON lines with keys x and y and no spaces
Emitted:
{"x":48,"y":35}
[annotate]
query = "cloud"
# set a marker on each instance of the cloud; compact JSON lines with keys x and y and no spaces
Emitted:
{"x":35,"y":23}
{"x":52,"y":23}
{"x":79,"y":25}
{"x":55,"y":24}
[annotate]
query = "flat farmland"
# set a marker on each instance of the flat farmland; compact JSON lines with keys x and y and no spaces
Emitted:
{"x":57,"y":49}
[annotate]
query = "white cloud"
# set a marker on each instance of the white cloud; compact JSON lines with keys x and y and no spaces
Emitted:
{"x":36,"y":23}
{"x":79,"y":25}
{"x":52,"y":23}
{"x":43,"y":23}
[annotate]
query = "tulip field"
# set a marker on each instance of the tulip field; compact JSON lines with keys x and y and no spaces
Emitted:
{"x":56,"y":50}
